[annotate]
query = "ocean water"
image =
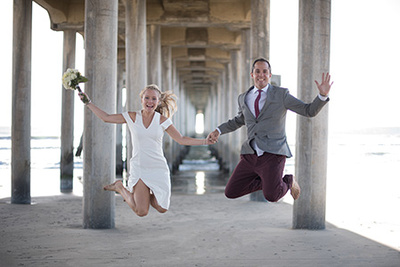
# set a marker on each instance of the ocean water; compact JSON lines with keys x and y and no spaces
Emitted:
{"x":45,"y":167}
{"x":363,"y":184}
{"x":363,"y":179}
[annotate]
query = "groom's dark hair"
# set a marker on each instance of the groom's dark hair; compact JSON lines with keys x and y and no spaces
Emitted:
{"x":261,"y":59}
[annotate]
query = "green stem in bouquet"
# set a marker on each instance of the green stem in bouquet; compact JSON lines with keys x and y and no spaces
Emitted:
{"x":85,"y":99}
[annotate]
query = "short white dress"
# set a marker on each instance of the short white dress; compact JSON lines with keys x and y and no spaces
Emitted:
{"x":148,"y":162}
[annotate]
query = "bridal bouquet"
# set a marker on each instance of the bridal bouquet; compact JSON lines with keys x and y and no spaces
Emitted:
{"x":71,"y":80}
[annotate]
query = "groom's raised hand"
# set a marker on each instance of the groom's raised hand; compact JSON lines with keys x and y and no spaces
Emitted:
{"x":325,"y":86}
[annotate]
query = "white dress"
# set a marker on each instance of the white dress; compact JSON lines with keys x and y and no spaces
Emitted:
{"x":148,"y":162}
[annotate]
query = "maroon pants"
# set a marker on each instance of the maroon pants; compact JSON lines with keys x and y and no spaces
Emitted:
{"x":255,"y":173}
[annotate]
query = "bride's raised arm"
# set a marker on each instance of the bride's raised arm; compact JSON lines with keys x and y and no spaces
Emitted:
{"x":104,"y":116}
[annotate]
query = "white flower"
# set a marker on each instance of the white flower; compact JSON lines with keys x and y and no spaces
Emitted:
{"x":72,"y":78}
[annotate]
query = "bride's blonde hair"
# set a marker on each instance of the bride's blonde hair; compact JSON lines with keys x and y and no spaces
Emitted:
{"x":167,"y":105}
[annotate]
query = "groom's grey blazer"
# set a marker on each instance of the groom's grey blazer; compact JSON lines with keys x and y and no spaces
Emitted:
{"x":268,"y":129}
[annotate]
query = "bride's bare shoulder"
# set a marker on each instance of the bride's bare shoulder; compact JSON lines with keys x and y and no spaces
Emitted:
{"x":162,"y":119}
{"x":132,"y":114}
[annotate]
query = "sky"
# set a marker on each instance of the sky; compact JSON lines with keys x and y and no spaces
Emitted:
{"x":364,"y":64}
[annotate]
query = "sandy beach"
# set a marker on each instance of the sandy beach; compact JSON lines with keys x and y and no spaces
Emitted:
{"x":199,"y":230}
{"x":204,"y":228}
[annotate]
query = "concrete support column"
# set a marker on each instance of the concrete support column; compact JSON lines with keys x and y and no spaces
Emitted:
{"x":245,"y":72}
{"x":207,"y":111}
{"x":219,"y":116}
{"x":235,"y":85}
{"x":184,"y":104}
{"x":67,"y":117}
{"x":260,"y":29}
{"x":311,"y":139}
{"x":166,"y":85}
{"x":181,"y":119}
{"x":222,"y":91}
{"x":225,"y":106}
{"x":246,"y":62}
{"x":166,"y":73}
{"x":191,"y":123}
{"x":21,"y":103}
{"x":177,"y":119}
{"x":101,"y":27}
{"x":119,"y":167}
{"x":154,"y":55}
{"x":210,"y":118}
{"x":232,"y":112}
{"x":136,"y":58}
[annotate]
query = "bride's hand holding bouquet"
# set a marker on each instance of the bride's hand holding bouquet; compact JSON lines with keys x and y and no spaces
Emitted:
{"x":71,"y":80}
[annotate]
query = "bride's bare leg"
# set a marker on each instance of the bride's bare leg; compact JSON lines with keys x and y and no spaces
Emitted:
{"x":154,"y":204}
{"x":141,"y":198}
{"x":118,"y":187}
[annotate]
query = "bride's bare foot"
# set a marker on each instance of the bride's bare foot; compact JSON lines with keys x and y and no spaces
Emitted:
{"x":295,"y":191}
{"x":114,"y":186}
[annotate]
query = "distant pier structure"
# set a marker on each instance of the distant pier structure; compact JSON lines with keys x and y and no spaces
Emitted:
{"x":202,"y":50}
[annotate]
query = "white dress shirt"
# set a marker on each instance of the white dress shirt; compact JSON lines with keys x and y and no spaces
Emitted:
{"x":250,"y":99}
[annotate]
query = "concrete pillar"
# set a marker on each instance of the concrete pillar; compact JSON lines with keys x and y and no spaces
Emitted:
{"x":136,"y":59}
{"x":245,"y":72}
{"x":67,"y":117}
{"x":154,"y":55}
{"x":210,"y":118}
{"x":178,"y":115}
{"x":311,"y":139}
{"x":235,"y":85}
{"x":184,"y":103}
{"x":166,"y":73}
{"x":231,"y":111}
{"x":260,"y":29}
{"x":101,"y":21}
{"x":207,"y":111}
{"x":225,"y":105}
{"x":166,"y":85}
{"x":220,"y":113}
{"x":118,"y":137}
{"x":222,"y":91}
{"x":246,"y":62}
{"x":181,"y":122}
{"x":191,"y":120}
{"x":21,"y":103}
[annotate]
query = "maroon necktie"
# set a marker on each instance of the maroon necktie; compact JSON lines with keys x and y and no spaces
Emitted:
{"x":256,"y":103}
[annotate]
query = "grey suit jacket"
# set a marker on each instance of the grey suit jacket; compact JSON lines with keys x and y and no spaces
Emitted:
{"x":268,"y":129}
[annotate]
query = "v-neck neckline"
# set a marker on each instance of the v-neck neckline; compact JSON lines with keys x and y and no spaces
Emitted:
{"x":151,"y":122}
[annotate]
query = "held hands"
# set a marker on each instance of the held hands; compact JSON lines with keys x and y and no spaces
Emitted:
{"x":208,"y":142}
{"x":325,"y":85}
{"x":213,"y":137}
{"x":84,"y":98}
